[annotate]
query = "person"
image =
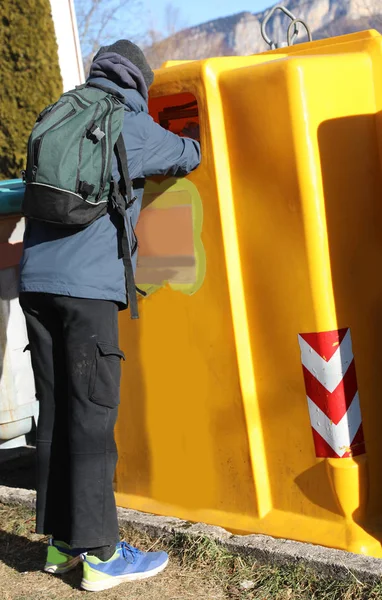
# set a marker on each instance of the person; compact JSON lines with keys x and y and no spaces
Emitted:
{"x":72,"y":285}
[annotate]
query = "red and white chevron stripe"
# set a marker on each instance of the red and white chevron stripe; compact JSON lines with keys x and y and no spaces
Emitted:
{"x":332,"y":393}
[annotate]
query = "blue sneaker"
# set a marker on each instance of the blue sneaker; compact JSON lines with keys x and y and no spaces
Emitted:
{"x":61,"y":557}
{"x":126,"y":564}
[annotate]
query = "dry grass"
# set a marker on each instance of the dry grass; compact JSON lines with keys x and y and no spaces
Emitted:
{"x":22,"y":554}
{"x":199,"y":569}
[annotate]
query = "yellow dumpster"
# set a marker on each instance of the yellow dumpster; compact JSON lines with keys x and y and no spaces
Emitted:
{"x":252,"y":385}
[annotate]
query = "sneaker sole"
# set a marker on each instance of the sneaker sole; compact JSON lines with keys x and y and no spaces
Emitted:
{"x":61,"y":569}
{"x":99,"y":586}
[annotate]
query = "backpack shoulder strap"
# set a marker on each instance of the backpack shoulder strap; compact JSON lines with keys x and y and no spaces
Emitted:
{"x":123,"y":189}
{"x":125,"y":184}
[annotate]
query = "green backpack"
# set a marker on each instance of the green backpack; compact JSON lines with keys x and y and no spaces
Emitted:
{"x":69,"y":166}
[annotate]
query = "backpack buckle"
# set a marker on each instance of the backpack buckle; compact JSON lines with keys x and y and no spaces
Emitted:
{"x":131,"y":202}
{"x":85,"y":189}
{"x":96,"y":134}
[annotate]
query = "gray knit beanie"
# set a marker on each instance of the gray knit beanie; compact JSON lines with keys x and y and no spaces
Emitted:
{"x":132,"y":53}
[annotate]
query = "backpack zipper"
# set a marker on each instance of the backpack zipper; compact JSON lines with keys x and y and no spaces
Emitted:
{"x":109,"y":165}
{"x":81,"y":146}
{"x":58,"y":106}
{"x":104,"y":149}
{"x":81,"y":101}
{"x":54,"y":187}
{"x":29,"y":158}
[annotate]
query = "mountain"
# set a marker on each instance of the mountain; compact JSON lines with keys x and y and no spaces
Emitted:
{"x":239,"y":34}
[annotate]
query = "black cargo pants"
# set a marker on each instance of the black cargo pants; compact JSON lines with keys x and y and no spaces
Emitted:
{"x":76,"y":364}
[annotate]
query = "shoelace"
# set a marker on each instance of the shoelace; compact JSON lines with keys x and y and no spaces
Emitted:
{"x":129,"y":552}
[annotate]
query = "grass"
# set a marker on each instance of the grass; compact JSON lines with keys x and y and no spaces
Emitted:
{"x":199,"y":569}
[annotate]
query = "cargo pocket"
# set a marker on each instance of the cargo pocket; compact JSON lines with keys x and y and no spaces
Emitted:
{"x":105,"y":375}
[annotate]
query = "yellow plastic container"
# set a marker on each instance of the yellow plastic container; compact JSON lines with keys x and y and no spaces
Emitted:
{"x":267,"y":253}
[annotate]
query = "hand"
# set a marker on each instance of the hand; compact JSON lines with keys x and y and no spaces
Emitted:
{"x":191,"y":130}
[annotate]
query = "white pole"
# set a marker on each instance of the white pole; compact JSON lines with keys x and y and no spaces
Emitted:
{"x":69,"y":50}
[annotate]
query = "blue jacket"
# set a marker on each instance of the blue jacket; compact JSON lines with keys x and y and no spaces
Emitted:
{"x":85,"y":263}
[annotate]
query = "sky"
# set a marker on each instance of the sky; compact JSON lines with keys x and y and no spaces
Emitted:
{"x":200,"y":11}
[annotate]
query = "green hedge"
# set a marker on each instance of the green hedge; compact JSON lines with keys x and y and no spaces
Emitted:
{"x":30,"y":76}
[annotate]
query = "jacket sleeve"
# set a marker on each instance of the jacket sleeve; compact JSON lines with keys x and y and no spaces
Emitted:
{"x":166,"y":153}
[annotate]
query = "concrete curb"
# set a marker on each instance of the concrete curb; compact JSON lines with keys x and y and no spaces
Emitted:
{"x":265,"y":549}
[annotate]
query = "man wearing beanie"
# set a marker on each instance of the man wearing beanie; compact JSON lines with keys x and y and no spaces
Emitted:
{"x":72,"y":284}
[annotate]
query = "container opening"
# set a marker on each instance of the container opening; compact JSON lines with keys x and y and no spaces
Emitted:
{"x":177,"y":113}
{"x":170,"y":225}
